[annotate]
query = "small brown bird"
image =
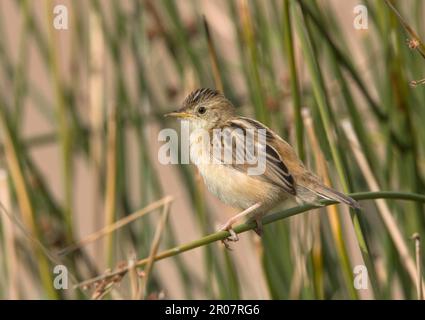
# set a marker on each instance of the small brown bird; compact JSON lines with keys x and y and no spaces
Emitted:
{"x":284,"y":175}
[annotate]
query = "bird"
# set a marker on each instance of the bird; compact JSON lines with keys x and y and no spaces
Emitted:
{"x":284,"y":175}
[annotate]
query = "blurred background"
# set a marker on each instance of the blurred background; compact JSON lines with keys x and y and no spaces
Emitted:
{"x":83,"y":90}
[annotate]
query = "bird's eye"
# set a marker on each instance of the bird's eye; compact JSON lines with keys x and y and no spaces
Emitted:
{"x":202,"y":110}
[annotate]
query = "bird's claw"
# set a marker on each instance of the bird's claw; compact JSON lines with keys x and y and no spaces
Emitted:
{"x":232,"y":238}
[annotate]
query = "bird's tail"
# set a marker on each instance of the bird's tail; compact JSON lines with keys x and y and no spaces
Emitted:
{"x":331,"y":194}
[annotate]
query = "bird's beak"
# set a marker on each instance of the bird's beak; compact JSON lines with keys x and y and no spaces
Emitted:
{"x":178,"y":114}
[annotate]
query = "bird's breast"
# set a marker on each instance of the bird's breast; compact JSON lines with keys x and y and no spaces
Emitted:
{"x":236,"y":188}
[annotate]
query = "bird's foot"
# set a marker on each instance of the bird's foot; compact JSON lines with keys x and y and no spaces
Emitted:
{"x":228,"y":225}
{"x":233,"y":236}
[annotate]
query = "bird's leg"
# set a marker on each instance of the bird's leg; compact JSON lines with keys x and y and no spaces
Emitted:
{"x":228,"y":225}
{"x":259,"y":228}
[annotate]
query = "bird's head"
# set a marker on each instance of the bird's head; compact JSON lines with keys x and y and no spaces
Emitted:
{"x":205,"y":109}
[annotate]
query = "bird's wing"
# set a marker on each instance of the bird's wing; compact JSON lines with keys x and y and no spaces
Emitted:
{"x":249,"y":142}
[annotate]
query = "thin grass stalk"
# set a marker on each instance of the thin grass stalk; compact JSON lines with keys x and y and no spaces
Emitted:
{"x":96,"y":87}
{"x":279,"y":267}
{"x":417,"y":240}
{"x":233,"y":8}
{"x":134,"y":278}
{"x":304,"y":277}
{"x":62,"y":122}
{"x":233,"y":286}
{"x":213,"y":56}
{"x":385,"y":213}
{"x":78,"y":64}
{"x":111,"y":184}
{"x":297,"y":279}
{"x":243,"y":227}
{"x":223,"y":278}
{"x":269,"y":76}
{"x":96,"y":93}
{"x":9,"y":235}
{"x":274,"y":275}
{"x":201,"y":210}
{"x":250,"y":41}
{"x":293,"y":75}
{"x":4,"y":47}
{"x":317,"y":261}
{"x":154,"y":249}
{"x":20,"y":79}
{"x":40,"y":38}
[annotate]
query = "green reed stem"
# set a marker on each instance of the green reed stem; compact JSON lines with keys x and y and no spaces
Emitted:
{"x":243,"y":227}
{"x":293,"y":75}
{"x":213,"y":56}
{"x":250,"y":41}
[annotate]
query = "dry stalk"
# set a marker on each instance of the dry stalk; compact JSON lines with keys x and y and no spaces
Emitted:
{"x":96,"y":93}
{"x":111,"y":182}
{"x":9,"y":239}
{"x":116,"y":225}
{"x":419,"y":288}
{"x":134,"y":278}
{"x":154,"y":248}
